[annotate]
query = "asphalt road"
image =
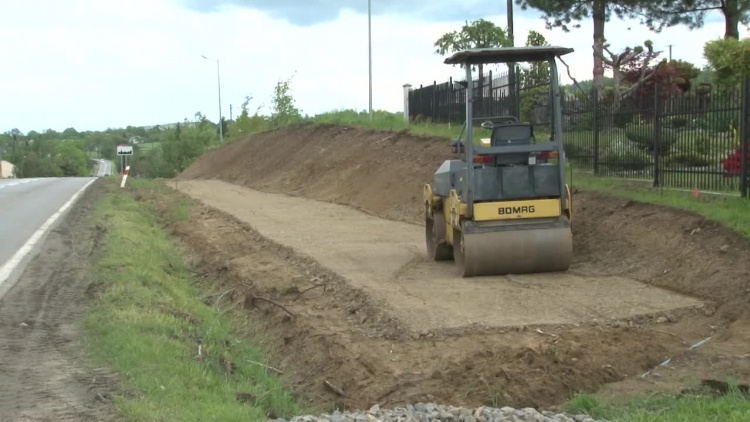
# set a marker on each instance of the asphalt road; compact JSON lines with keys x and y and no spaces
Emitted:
{"x":25,"y":206}
{"x":104,"y":168}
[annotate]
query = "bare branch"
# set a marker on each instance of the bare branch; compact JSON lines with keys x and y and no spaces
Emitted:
{"x":323,"y":285}
{"x":609,"y":51}
{"x":643,"y":79}
{"x":575,"y":82}
{"x":264,"y":299}
{"x":334,"y":388}
{"x":601,"y":56}
{"x":273,"y":303}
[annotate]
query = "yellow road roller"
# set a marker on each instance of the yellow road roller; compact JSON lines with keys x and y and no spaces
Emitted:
{"x":504,"y":206}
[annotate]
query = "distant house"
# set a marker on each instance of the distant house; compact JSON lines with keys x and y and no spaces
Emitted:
{"x":6,"y":169}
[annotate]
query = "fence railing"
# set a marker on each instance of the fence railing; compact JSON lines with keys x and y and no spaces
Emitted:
{"x":695,"y":140}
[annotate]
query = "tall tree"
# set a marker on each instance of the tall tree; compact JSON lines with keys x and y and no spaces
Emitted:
{"x":535,"y":81}
{"x":625,"y":60}
{"x":563,"y":13}
{"x":729,"y":58}
{"x":480,"y":33}
{"x":661,"y":13}
{"x":672,"y":77}
{"x":538,"y":72}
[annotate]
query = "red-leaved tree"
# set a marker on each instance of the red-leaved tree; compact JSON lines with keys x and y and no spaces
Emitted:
{"x":672,"y":77}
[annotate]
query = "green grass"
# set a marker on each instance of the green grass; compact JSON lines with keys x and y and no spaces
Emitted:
{"x":731,"y":211}
{"x":732,"y":407}
{"x":728,"y":210}
{"x":148,"y":321}
{"x":387,"y":121}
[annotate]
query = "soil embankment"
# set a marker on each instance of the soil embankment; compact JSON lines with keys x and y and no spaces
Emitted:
{"x":386,"y":326}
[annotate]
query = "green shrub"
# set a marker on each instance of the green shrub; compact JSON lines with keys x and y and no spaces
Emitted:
{"x":643,"y":136}
{"x":678,"y":122}
{"x":688,"y":159}
{"x":623,"y":118}
{"x":575,"y":150}
{"x":703,"y":144}
{"x":581,"y":121}
{"x":626,"y":159}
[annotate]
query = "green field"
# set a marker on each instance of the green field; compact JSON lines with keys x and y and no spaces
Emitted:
{"x":147,"y":147}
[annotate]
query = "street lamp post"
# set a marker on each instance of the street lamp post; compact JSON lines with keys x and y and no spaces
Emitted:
{"x":218,"y":79}
{"x":369,"y":46}
{"x":512,"y":75}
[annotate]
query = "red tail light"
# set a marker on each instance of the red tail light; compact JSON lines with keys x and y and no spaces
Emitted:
{"x":546,"y":155}
{"x":484,"y":159}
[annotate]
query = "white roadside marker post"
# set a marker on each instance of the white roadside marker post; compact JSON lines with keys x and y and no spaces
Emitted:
{"x":125,"y":176}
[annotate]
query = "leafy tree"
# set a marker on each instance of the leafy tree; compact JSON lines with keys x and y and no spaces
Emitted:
{"x":476,"y":34}
{"x":538,"y":72}
{"x":72,"y":160}
{"x":284,"y":110}
{"x":562,"y":13}
{"x":246,"y":124}
{"x":661,"y":13}
{"x":534,"y":80}
{"x":185,"y":143}
{"x":673,"y":77}
{"x":729,"y":59}
{"x":70,"y":133}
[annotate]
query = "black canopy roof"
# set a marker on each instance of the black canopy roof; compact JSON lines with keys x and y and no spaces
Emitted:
{"x":507,"y":55}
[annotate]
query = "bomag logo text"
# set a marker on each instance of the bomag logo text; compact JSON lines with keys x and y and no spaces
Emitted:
{"x":526,"y":209}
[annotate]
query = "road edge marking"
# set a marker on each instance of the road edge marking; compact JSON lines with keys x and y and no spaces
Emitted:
{"x":7,"y":269}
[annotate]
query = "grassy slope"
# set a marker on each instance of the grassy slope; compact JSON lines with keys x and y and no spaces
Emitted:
{"x":732,"y":407}
{"x":731,"y":211}
{"x":148,"y":321}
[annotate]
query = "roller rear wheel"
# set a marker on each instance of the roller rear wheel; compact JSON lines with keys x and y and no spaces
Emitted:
{"x":437,"y":247}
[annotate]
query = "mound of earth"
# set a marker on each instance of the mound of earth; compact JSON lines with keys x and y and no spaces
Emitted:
{"x":377,"y":321}
{"x":382,"y":173}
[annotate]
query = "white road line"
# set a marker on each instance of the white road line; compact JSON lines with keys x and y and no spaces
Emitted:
{"x":12,"y":263}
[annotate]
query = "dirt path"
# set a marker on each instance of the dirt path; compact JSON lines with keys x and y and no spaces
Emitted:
{"x":42,"y":374}
{"x":386,"y":259}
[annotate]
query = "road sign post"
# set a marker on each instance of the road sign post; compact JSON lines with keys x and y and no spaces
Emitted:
{"x":124,"y":151}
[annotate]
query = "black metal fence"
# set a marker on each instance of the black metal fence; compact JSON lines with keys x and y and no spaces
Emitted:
{"x":695,"y":140}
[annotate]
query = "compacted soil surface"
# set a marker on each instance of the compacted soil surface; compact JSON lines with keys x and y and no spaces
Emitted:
{"x":326,"y":222}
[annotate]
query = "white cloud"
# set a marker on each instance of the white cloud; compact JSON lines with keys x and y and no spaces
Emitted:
{"x":92,"y":64}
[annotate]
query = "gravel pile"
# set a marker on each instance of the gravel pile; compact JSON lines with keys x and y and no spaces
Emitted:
{"x":430,"y":412}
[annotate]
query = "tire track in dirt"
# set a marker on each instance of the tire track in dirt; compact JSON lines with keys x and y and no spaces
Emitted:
{"x":43,"y":374}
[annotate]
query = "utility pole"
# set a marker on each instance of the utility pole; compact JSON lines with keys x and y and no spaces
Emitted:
{"x":369,"y":46}
{"x":221,"y":126}
{"x":670,"y":52}
{"x":230,"y":112}
{"x":515,"y":103}
{"x":218,"y":79}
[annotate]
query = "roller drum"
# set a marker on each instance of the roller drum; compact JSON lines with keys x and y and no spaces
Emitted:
{"x":527,"y":250}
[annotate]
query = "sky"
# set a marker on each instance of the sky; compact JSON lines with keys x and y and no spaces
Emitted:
{"x":93,"y":64}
